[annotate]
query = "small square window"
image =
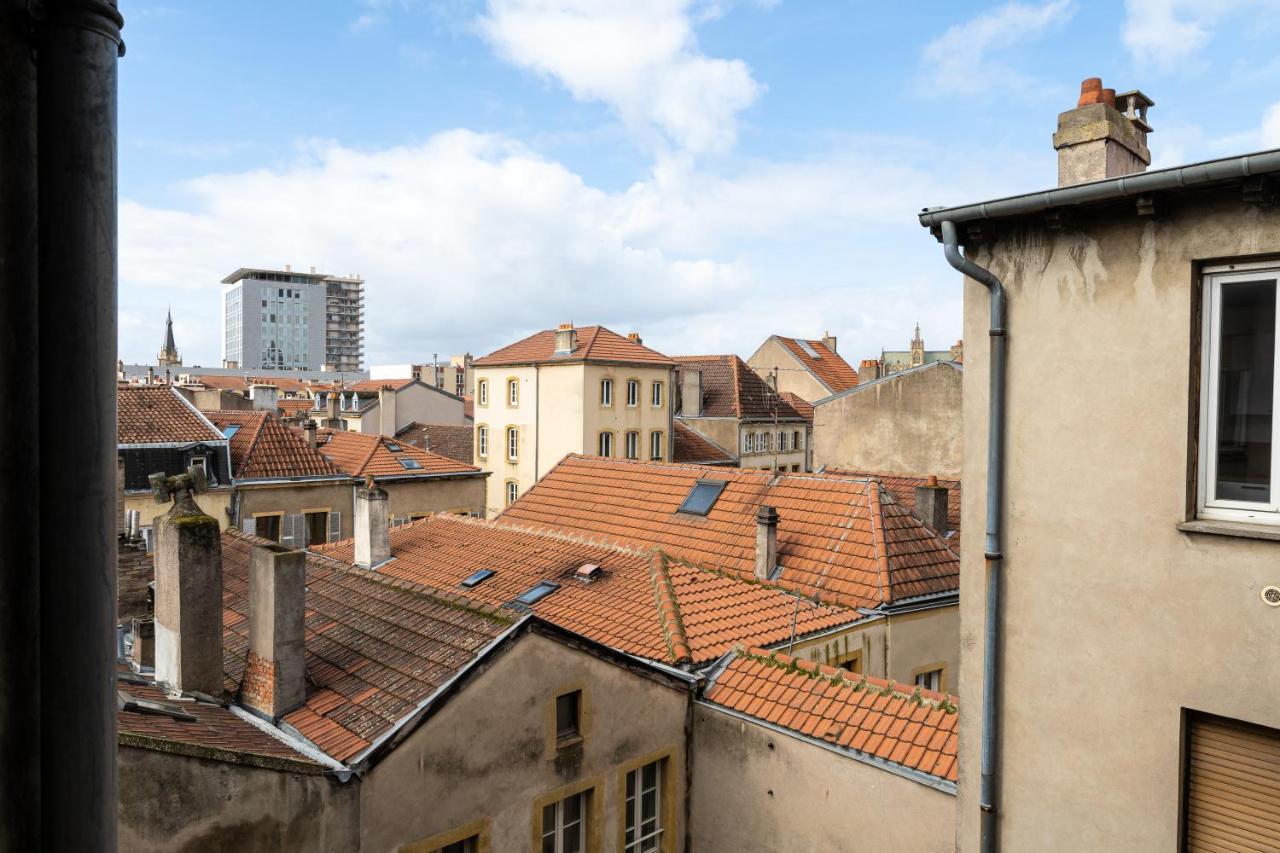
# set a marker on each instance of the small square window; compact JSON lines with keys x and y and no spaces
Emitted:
{"x":929,"y":680}
{"x":409,"y":463}
{"x":568,"y":708}
{"x":539,"y":592}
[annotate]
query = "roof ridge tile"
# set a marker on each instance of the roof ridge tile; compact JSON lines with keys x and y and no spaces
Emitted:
{"x":664,"y":596}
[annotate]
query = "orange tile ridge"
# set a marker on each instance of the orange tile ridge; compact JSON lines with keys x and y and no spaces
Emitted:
{"x":664,"y":596}
{"x":877,"y":538}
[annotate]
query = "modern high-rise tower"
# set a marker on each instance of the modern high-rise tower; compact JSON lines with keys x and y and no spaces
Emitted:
{"x":286,"y":320}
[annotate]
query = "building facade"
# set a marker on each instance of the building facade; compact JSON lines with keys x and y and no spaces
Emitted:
{"x":286,"y":320}
{"x":810,"y":369}
{"x":892,"y":361}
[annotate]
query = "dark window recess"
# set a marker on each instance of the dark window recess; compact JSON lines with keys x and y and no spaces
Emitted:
{"x":409,"y":463}
{"x":568,"y":708}
{"x":478,"y":577}
{"x":539,"y":592}
{"x":317,"y":527}
{"x":702,"y":497}
{"x":1246,"y":384}
{"x":268,"y":527}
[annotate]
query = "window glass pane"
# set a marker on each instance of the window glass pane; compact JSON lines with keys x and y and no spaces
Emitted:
{"x":572,"y":809}
{"x":1246,"y":383}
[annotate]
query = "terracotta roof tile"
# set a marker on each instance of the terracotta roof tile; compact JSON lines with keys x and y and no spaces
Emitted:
{"x":855,"y":712}
{"x":361,"y":454}
{"x":263,"y":448}
{"x":731,"y":389}
{"x":837,"y":539}
{"x":829,"y":368}
{"x":448,"y":440}
{"x":157,"y":414}
{"x":645,"y":603}
{"x":802,"y":406}
{"x":293,"y":406}
{"x":594,"y":343}
{"x":903,"y":489}
{"x":232,"y":382}
{"x":693,"y":447}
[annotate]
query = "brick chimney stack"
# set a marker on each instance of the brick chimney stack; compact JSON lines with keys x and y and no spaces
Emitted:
{"x":829,"y":341}
{"x":373,"y":536}
{"x":766,"y":542}
{"x":275,"y":677}
{"x":1105,"y":136}
{"x":869,"y":370}
{"x":309,"y":430}
{"x":931,"y":506}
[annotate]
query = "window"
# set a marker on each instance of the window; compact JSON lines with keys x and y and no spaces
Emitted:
{"x":702,"y":497}
{"x":1230,"y":793}
{"x":657,"y":395}
{"x":797,"y":443}
{"x":409,"y":463}
{"x":606,"y":392}
{"x":482,"y":441}
{"x":568,"y":710}
{"x":513,"y":444}
{"x":633,"y":392}
{"x":1239,"y":468}
{"x":929,"y":679}
{"x":393,"y":447}
{"x":513,"y":492}
{"x":606,"y":444}
{"x":230,"y":430}
{"x":564,"y":824}
{"x":482,"y":392}
{"x":782,"y":441}
{"x":746,"y":442}
{"x":540,"y":591}
{"x":316,"y":526}
{"x":643,"y":810}
{"x":513,"y":392}
{"x":656,"y":446}
{"x":477,"y":577}
{"x":466,"y":845}
{"x":851,"y":661}
{"x":633,"y":445}
{"x":267,"y":526}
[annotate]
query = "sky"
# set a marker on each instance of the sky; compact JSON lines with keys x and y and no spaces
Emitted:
{"x":703,"y":172}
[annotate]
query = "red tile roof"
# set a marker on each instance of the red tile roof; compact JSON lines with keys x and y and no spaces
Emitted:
{"x":232,"y":382}
{"x":376,"y":646}
{"x":731,"y":389}
{"x":645,"y":603}
{"x":903,"y":489}
{"x":361,"y":454}
{"x":837,"y":539}
{"x":917,"y":730}
{"x":829,"y":368}
{"x":448,"y":440}
{"x":469,"y":406}
{"x":802,"y":406}
{"x":375,"y":385}
{"x":151,"y":414}
{"x":294,"y":406}
{"x":594,"y":344}
{"x":692,"y":447}
{"x":264,"y":448}
{"x":215,"y":733}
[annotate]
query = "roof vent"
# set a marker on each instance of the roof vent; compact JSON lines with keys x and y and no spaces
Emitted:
{"x":588,"y":572}
{"x":1271,"y":595}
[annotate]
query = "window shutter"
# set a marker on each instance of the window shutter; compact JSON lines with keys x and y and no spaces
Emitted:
{"x":250,"y":526}
{"x":335,"y":526}
{"x":1232,"y":785}
{"x":293,"y":531}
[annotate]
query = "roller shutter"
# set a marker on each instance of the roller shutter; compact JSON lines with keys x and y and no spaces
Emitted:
{"x":1232,"y":786}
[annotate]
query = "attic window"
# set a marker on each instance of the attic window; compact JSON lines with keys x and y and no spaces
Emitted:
{"x":476,"y":578}
{"x":540,"y":591}
{"x":230,"y":430}
{"x":702,"y":497}
{"x":409,"y":463}
{"x":393,"y":447}
{"x":809,"y":350}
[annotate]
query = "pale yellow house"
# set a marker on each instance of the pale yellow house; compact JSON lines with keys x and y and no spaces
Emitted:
{"x":810,"y":369}
{"x":569,"y":390}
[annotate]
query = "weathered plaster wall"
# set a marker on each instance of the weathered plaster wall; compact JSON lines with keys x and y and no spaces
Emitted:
{"x":290,"y":498}
{"x":895,"y":646}
{"x":195,"y":805}
{"x":755,"y":789}
{"x":1114,"y":620}
{"x":424,"y":497}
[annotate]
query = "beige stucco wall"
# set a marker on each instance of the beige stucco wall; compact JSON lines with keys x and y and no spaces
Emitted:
{"x":730,"y":432}
{"x":214,"y":502}
{"x":489,"y":754}
{"x":290,"y":498}
{"x":619,"y":418}
{"x":792,"y":375}
{"x":407,"y":498}
{"x":756,"y":789}
{"x":910,"y":424}
{"x":1114,"y":620}
{"x":497,"y":415}
{"x":184,"y":804}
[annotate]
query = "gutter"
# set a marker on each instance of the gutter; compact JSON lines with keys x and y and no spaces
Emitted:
{"x":995,"y":494}
{"x":1111,"y":189}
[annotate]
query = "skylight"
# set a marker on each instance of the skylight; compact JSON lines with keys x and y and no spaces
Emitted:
{"x":539,"y":592}
{"x":230,"y":430}
{"x":804,"y":345}
{"x":409,"y":463}
{"x":475,"y":579}
{"x":702,"y":497}
{"x":393,"y":447}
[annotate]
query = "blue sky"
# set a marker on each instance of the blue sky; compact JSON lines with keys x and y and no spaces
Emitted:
{"x":705,"y":172}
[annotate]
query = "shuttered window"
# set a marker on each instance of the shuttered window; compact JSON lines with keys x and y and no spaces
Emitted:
{"x":1232,"y":785}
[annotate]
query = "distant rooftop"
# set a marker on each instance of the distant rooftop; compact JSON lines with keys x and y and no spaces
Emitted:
{"x":288,"y":274}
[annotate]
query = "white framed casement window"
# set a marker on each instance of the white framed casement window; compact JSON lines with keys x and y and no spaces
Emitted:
{"x":513,"y":444}
{"x":643,"y":810}
{"x":656,"y":446}
{"x":633,"y":393}
{"x":606,"y":444}
{"x":482,"y":392}
{"x":632,"y":445}
{"x":1239,"y":476}
{"x":564,"y":824}
{"x":513,"y":492}
{"x":656,"y":395}
{"x":482,"y":441}
{"x":746,"y":442}
{"x":606,"y":392}
{"x":513,"y":392}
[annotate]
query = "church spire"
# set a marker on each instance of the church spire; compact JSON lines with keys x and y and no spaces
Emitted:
{"x":168,"y":356}
{"x":917,"y":348}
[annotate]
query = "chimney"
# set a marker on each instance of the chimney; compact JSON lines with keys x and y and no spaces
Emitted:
{"x":869,"y":370}
{"x":264,"y":396}
{"x":188,"y":615}
{"x":373,"y":536}
{"x":387,"y":411}
{"x":931,"y":506}
{"x":766,"y":542}
{"x":566,"y":339}
{"x":151,"y":376}
{"x":829,"y":341}
{"x":690,"y":393}
{"x":144,"y":642}
{"x":1096,"y":140}
{"x":275,"y":677}
{"x":309,"y":430}
{"x":634,"y":337}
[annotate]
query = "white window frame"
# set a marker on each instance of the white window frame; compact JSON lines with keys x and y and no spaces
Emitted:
{"x":606,"y":392}
{"x":633,"y":393}
{"x":1211,"y":293}
{"x":482,"y":441}
{"x":631,"y":445}
{"x":513,"y":444}
{"x":513,"y":392}
{"x":632,"y":809}
{"x":747,"y":442}
{"x":657,"y":446}
{"x":482,"y":392}
{"x":656,"y":395}
{"x":930,"y":679}
{"x":560,"y":831}
{"x":512,"y":491}
{"x":605,"y":437}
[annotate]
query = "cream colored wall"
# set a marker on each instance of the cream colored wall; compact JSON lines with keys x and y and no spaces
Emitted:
{"x":1114,"y":620}
{"x":486,"y":754}
{"x":896,"y":647}
{"x":755,"y":789}
{"x":427,"y":406}
{"x":289,"y":498}
{"x":792,"y":375}
{"x":619,"y":417}
{"x":908,"y":425}
{"x":562,"y":412}
{"x":214,"y":502}
{"x":773,"y":458}
{"x":498,"y":415}
{"x":406,"y":498}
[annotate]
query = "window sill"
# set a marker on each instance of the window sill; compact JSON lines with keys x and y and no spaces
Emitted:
{"x":1240,"y":529}
{"x":568,"y":743}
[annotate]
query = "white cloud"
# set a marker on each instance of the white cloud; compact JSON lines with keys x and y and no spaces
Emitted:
{"x":1271,"y":127}
{"x":640,"y":58}
{"x":958,"y":61}
{"x":1167,"y":35}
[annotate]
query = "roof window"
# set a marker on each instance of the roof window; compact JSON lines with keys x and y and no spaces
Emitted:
{"x":230,"y":430}
{"x":808,"y":348}
{"x":540,"y":591}
{"x":409,"y":463}
{"x":702,"y":497}
{"x":393,"y":447}
{"x":478,"y":577}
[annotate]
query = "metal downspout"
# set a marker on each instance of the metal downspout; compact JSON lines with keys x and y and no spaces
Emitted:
{"x":994,"y":552}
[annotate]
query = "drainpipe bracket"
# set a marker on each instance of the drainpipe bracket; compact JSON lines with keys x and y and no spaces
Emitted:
{"x":993,"y":556}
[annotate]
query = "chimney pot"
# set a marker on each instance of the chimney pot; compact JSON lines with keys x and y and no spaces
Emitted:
{"x":1090,"y":91}
{"x":275,"y":677}
{"x":634,"y":337}
{"x":1096,"y":140}
{"x":766,"y":542}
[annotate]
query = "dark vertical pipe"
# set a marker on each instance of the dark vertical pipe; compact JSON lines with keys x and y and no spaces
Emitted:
{"x":78,"y":43}
{"x":19,"y":469}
